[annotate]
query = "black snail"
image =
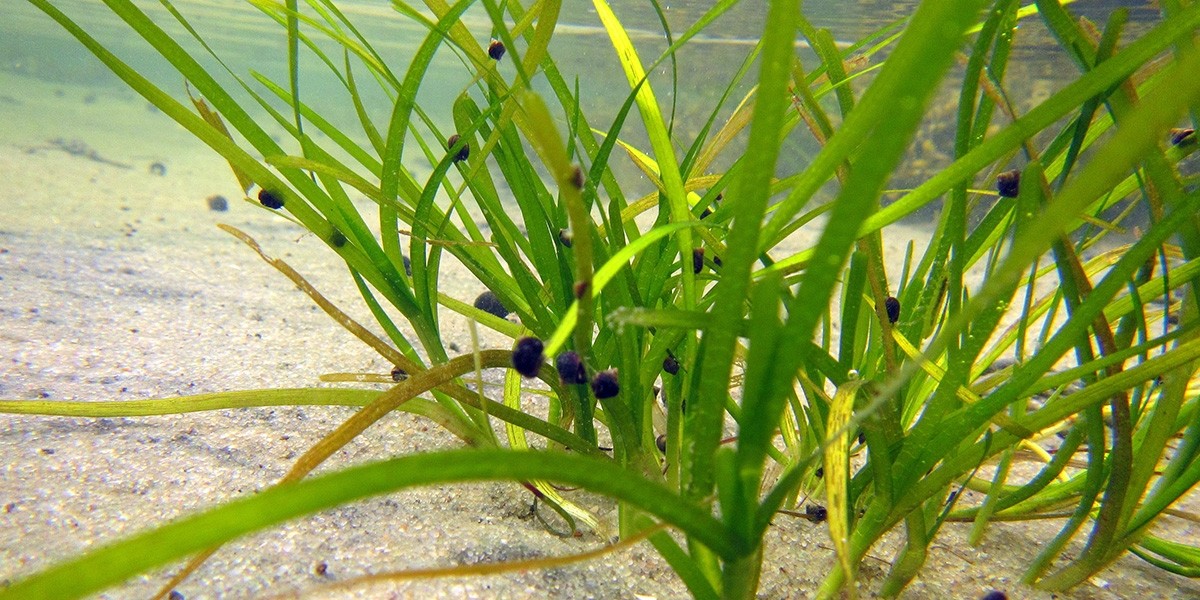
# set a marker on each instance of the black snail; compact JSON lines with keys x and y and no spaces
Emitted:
{"x":489,"y":302}
{"x":270,"y":199}
{"x":1008,"y":183}
{"x":527,"y":356}
{"x":605,"y":385}
{"x":671,"y":364}
{"x":570,"y":368}
{"x":816,"y":513}
{"x":463,"y":153}
{"x":337,"y":238}
{"x":399,"y":374}
{"x":496,"y":50}
{"x":217,"y":203}
{"x":1182,"y":135}
{"x":893,"y":309}
{"x":577,"y":178}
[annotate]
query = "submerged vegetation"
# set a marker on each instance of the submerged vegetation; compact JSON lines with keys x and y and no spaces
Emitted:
{"x":899,"y":398}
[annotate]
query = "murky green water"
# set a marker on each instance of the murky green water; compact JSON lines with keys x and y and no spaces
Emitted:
{"x":32,"y":45}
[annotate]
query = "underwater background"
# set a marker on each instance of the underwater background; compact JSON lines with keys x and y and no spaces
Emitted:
{"x":116,"y":284}
{"x":31,"y":46}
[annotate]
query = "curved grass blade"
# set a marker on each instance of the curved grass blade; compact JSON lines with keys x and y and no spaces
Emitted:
{"x":604,"y":275}
{"x":1066,"y":101}
{"x":115,"y":563}
{"x":660,"y":140}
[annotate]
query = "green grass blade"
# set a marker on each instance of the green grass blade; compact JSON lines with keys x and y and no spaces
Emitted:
{"x":293,"y":61}
{"x":117,"y":562}
{"x":1064,"y":102}
{"x":918,"y":67}
{"x":711,"y":380}
{"x":604,"y":275}
{"x":664,"y":150}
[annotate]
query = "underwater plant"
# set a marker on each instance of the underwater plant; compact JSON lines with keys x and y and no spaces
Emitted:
{"x":658,"y":325}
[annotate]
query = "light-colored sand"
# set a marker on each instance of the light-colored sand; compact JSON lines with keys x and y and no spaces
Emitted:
{"x":117,"y":285}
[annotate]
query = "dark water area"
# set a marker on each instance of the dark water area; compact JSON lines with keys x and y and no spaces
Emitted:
{"x":247,"y":41}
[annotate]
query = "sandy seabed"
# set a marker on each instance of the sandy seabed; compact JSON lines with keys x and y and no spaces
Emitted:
{"x":116,"y":284}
